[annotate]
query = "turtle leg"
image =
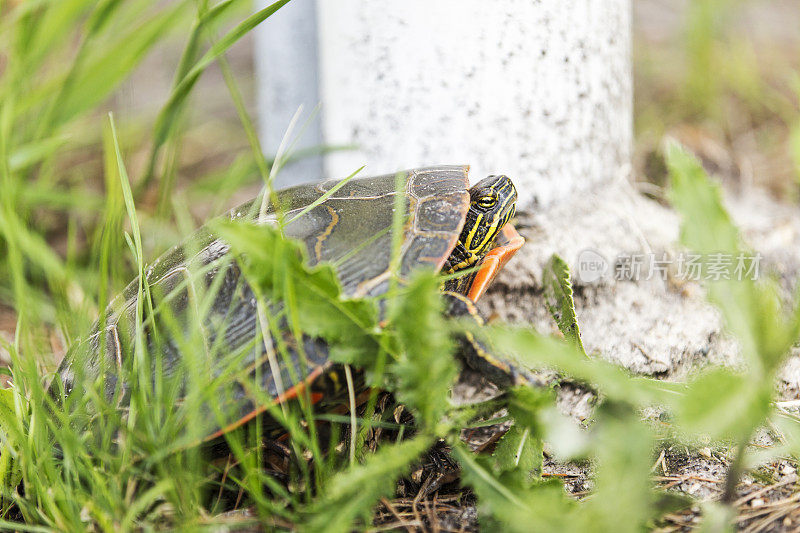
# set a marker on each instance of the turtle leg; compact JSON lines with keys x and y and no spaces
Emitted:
{"x":477,"y":354}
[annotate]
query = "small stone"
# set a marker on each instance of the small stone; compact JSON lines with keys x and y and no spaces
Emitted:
{"x":788,"y":470}
{"x":705,"y":452}
{"x":757,"y":502}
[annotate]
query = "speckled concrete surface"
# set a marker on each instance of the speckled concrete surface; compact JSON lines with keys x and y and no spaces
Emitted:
{"x":538,"y":90}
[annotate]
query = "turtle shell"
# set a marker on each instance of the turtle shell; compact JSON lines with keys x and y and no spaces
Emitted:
{"x":352,"y":228}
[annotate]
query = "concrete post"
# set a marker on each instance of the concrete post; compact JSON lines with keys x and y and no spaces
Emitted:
{"x":286,"y":65}
{"x":539,"y":90}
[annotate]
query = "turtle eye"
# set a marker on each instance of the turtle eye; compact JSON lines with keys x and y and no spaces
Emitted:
{"x":487,"y":202}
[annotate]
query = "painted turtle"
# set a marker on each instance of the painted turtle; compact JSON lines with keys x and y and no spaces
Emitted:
{"x":450,"y":227}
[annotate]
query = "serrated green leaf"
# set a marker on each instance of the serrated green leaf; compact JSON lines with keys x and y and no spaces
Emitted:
{"x":624,"y":493}
{"x":426,"y":368}
{"x":720,"y":404}
{"x":506,"y":506}
{"x":752,"y":310}
{"x":559,"y":300}
{"x":535,"y":350}
{"x":276,"y":265}
{"x":353,"y":493}
{"x":519,"y":452}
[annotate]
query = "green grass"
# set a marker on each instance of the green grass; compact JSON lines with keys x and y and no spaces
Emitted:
{"x":84,"y":463}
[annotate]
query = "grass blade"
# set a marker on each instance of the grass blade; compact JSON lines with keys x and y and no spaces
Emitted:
{"x":168,"y":114}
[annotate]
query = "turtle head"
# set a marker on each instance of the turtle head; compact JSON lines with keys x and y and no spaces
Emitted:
{"x":492,"y":202}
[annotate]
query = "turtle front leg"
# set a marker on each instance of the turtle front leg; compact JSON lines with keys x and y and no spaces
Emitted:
{"x":477,"y":354}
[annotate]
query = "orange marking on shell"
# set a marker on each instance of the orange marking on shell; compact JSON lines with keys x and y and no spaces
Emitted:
{"x":290,"y":394}
{"x":328,"y":229}
{"x":495,"y":260}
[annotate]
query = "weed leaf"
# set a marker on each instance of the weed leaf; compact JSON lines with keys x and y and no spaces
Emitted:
{"x":352,"y":493}
{"x":426,"y":369}
{"x":559,"y":301}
